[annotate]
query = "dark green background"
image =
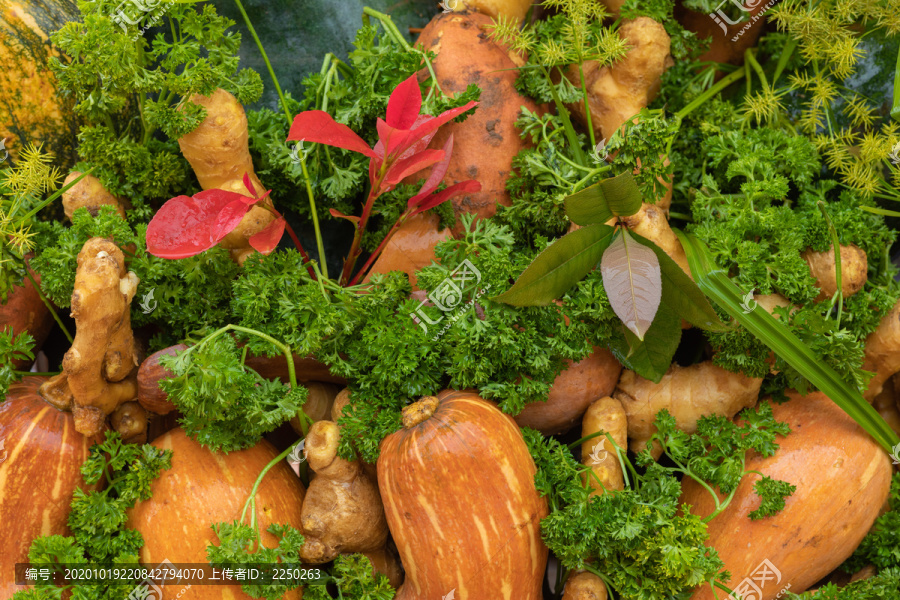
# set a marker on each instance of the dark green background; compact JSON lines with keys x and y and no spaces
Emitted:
{"x":298,"y":33}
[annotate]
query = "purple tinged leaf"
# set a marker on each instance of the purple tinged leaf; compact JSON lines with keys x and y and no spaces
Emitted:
{"x":633,"y":282}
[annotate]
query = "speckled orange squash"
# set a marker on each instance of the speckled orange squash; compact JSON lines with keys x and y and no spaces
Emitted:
{"x":40,"y":461}
{"x":842,"y":478}
{"x":458,"y":488}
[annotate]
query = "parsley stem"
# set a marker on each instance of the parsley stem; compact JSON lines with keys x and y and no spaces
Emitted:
{"x":266,"y":469}
{"x":836,"y":248}
{"x":702,"y":98}
{"x":37,"y":288}
{"x":292,"y":375}
{"x":287,"y":113}
{"x":564,"y":115}
{"x":587,"y":105}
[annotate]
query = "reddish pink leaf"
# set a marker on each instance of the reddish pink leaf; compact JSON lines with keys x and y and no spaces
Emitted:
{"x":464,"y":187}
{"x":404,"y":104}
{"x":318,"y":126}
{"x":183,"y":226}
{"x":436,"y":175}
{"x":249,"y":185}
{"x":229,"y":217}
{"x":415,"y":163}
{"x":336,"y":213}
{"x":267,"y":240}
{"x":430,"y":126}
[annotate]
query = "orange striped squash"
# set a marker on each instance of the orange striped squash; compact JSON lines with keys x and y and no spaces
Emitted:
{"x":40,"y":462}
{"x":458,"y":488}
{"x":205,"y":487}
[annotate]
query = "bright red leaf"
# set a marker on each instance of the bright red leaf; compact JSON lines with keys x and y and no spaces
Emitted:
{"x":267,"y":240}
{"x":464,"y":187}
{"x":435,"y":177}
{"x":415,"y":163}
{"x":184,"y":226}
{"x":318,"y":126}
{"x":404,"y":104}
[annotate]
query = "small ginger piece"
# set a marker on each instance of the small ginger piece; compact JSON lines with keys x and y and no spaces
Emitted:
{"x":219,"y":152}
{"x":584,"y":585}
{"x":608,"y":416}
{"x":130,"y":421}
{"x":318,"y":403}
{"x":882,"y":352}
{"x":886,"y":405}
{"x":508,"y":9}
{"x":651,"y":222}
{"x":688,"y":393}
{"x":616,"y":93}
{"x":89,"y":193}
{"x":342,"y":511}
{"x":99,"y":370}
{"x":854,"y":270}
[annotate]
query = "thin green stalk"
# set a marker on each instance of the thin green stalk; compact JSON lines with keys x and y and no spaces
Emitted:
{"x":55,"y":195}
{"x":880,"y":211}
{"x":290,"y":119}
{"x":836,"y":246}
{"x":262,"y":474}
{"x":49,"y":306}
{"x":751,"y":60}
{"x":285,"y":349}
{"x":702,"y":98}
{"x":564,"y":115}
{"x":587,"y":105}
{"x":786,"y":54}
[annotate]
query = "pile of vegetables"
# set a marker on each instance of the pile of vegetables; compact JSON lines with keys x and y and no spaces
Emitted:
{"x":573,"y":300}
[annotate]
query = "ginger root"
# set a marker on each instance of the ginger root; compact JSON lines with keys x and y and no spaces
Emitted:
{"x":886,"y":405}
{"x":854,"y":270}
{"x":342,"y":511}
{"x":99,"y":370}
{"x":89,"y":193}
{"x":651,"y":222}
{"x":318,"y":403}
{"x":510,"y":9}
{"x":882,"y":352}
{"x":219,"y":152}
{"x":604,"y":415}
{"x":688,"y":393}
{"x":584,"y":585}
{"x":130,"y":421}
{"x":618,"y":92}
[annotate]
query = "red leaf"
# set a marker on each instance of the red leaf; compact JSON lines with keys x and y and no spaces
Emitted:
{"x":249,"y":185}
{"x":229,"y":217}
{"x":336,"y":213}
{"x":404,"y":104}
{"x":267,"y":240}
{"x":318,"y":126}
{"x":435,"y":177}
{"x":430,"y":126}
{"x":183,"y":226}
{"x":415,"y":163}
{"x":464,"y":187}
